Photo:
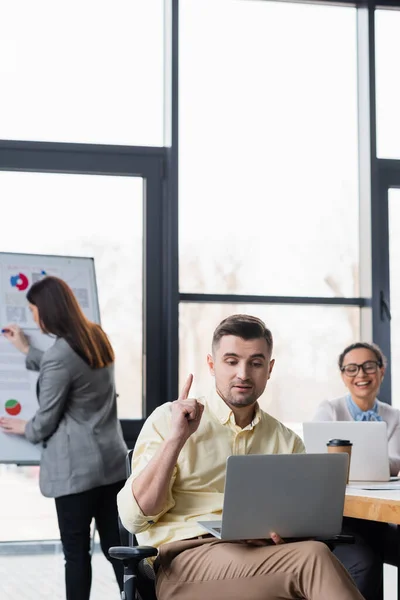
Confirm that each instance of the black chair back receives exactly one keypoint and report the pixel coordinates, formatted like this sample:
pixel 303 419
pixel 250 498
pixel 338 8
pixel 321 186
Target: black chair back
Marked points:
pixel 139 578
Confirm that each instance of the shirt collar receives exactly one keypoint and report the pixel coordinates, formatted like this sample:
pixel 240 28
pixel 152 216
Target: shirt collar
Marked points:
pixel 224 413
pixel 362 415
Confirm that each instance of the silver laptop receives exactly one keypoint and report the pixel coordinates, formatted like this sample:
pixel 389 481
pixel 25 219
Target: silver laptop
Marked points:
pixel 369 455
pixel 293 495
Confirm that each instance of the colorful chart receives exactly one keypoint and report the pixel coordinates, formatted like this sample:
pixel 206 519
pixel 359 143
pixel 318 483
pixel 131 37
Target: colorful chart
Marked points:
pixel 19 281
pixel 13 407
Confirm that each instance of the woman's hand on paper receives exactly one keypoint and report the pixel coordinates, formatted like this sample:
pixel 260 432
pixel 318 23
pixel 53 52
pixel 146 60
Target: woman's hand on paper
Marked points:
pixel 14 334
pixel 16 426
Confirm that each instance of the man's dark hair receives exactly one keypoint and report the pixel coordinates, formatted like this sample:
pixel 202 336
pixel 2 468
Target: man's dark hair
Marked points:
pixel 245 327
pixel 380 357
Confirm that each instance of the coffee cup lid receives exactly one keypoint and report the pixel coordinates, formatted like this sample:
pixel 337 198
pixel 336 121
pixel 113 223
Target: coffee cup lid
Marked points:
pixel 337 442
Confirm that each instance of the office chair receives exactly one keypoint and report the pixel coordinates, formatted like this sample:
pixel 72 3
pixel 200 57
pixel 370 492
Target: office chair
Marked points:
pixel 139 576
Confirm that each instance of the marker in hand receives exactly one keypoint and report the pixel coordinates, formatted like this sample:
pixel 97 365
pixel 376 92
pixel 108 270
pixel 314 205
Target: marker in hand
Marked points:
pixel 14 334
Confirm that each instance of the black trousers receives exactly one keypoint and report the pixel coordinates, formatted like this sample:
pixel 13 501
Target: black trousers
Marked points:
pixel 375 543
pixel 75 513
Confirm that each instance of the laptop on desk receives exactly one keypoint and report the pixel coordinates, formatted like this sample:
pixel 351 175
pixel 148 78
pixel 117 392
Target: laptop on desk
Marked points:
pixel 369 455
pixel 293 495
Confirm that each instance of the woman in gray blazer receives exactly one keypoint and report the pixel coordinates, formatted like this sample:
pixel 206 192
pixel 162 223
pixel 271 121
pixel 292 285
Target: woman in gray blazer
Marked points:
pixel 83 451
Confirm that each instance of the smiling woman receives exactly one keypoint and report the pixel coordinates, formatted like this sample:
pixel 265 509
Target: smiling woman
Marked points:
pixel 362 368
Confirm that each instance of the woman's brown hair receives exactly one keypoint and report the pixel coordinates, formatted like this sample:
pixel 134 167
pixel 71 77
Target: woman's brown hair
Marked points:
pixel 374 348
pixel 61 315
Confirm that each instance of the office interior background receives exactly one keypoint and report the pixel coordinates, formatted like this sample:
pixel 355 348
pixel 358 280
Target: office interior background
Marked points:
pixel 213 156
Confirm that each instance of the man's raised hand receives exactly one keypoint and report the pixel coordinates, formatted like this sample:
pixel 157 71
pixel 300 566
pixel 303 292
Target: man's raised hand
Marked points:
pixel 186 413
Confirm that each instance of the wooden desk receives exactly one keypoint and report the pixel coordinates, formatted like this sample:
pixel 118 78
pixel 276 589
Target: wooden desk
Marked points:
pixel 375 505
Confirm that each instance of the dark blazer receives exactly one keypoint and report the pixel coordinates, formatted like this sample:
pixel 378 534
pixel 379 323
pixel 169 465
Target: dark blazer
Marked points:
pixel 76 423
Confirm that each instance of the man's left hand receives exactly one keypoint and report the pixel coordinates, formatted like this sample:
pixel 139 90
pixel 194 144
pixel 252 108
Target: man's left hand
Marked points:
pixel 16 426
pixel 275 539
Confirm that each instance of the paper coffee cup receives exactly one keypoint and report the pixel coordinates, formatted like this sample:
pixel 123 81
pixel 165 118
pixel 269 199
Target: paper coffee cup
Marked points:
pixel 337 445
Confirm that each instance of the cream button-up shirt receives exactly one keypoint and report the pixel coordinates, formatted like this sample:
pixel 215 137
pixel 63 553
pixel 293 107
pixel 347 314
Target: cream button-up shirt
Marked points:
pixel 197 484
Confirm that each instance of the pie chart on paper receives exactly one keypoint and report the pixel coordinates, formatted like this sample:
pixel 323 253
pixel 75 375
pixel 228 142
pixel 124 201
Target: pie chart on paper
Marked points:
pixel 19 281
pixel 12 407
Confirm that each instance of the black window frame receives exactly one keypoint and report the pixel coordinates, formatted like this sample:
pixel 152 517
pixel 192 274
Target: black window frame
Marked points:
pixel 373 180
pixel 149 164
pixel 159 167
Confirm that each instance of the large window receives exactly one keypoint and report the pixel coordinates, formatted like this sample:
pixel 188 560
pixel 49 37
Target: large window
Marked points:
pixel 268 201
pixel 69 215
pixel 394 247
pixel 268 149
pixel 387 23
pixel 90 71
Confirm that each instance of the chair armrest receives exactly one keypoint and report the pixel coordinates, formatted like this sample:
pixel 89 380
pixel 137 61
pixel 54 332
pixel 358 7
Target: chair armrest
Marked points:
pixel 342 538
pixel 132 553
pixel 337 540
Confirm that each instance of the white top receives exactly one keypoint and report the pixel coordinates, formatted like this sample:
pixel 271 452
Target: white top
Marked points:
pixel 336 410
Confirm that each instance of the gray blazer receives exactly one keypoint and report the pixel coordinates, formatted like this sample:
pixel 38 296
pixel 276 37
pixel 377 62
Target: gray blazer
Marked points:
pixel 76 422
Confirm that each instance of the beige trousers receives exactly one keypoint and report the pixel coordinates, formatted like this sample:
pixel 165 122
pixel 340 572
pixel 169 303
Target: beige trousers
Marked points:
pixel 209 569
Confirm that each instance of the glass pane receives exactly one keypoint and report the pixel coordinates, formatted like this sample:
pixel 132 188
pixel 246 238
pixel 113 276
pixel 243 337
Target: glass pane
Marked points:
pixel 25 514
pixel 394 255
pixel 70 215
pixel 268 149
pixel 307 343
pixel 387 40
pixel 42 575
pixel 78 71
